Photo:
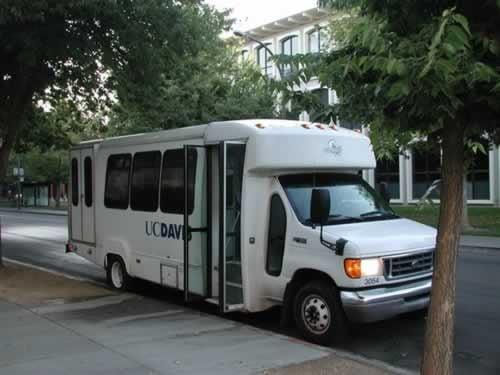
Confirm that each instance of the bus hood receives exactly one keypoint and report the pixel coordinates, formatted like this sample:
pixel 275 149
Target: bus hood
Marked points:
pixel 384 237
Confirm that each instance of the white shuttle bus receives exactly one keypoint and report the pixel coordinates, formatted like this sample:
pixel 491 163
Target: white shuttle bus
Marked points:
pixel 248 215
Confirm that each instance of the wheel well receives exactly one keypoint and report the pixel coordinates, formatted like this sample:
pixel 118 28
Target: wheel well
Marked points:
pixel 110 256
pixel 300 277
pixel 305 275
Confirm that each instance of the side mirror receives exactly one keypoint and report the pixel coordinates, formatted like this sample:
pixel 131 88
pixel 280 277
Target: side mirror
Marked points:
pixel 320 206
pixel 384 192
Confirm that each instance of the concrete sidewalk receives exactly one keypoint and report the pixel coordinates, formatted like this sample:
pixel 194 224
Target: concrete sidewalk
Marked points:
pixel 53 325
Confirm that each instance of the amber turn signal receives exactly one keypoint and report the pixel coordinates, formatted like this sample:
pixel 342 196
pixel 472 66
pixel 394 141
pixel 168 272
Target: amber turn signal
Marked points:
pixel 352 268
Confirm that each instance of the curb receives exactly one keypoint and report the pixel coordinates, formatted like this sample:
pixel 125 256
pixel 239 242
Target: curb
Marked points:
pixel 479 250
pixel 56 273
pixel 378 364
pixel 36 212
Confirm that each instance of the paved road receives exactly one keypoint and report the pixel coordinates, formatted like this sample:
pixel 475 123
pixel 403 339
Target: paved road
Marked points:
pixel 40 239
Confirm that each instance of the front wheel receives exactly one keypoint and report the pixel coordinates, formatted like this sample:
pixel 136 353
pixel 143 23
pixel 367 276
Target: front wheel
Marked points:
pixel 117 274
pixel 319 315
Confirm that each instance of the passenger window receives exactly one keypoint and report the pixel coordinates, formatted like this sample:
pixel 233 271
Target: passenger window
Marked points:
pixel 74 182
pixel 276 238
pixel 145 181
pixel 117 181
pixel 87 171
pixel 172 181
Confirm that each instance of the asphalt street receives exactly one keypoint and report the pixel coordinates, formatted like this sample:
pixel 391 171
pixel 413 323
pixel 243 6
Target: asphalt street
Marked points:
pixel 39 240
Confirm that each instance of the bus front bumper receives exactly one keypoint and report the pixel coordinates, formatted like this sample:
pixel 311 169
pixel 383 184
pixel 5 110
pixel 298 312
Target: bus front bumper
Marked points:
pixel 372 305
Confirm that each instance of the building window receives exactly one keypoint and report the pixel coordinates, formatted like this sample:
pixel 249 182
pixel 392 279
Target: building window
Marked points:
pixel 74 182
pixel 426 170
pixel 289 47
pixel 264 60
pixel 172 181
pixel 316 40
pixel 276 238
pixel 145 181
pixel 117 181
pixel 478 178
pixel 388 172
pixel 244 55
pixel 87 171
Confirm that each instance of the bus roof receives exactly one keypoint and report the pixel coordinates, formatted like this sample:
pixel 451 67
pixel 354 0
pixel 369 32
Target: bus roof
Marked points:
pixel 280 144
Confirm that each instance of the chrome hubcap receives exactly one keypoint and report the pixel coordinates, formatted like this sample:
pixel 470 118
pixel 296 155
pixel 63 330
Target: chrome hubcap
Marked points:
pixel 117 275
pixel 316 314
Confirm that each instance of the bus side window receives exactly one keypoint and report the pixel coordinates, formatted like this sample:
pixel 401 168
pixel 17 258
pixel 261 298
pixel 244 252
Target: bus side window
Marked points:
pixel 87 166
pixel 172 181
pixel 144 190
pixel 117 181
pixel 276 238
pixel 74 182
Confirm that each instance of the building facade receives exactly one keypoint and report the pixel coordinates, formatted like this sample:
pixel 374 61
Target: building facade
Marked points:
pixel 410 173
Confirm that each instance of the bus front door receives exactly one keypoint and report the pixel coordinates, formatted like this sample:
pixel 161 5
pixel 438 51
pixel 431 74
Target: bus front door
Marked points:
pixel 231 162
pixel 196 233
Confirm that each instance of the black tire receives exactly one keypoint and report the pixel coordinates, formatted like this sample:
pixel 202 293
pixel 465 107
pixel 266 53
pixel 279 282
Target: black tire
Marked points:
pixel 319 315
pixel 114 269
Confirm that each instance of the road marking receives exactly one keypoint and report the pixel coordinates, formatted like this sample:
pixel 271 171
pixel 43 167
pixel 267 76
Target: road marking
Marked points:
pixel 54 272
pixel 85 305
pixel 116 321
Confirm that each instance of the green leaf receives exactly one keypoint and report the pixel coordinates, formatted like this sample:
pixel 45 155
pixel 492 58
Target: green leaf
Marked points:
pixel 400 68
pixel 483 73
pixel 390 66
pixel 496 88
pixel 398 90
pixel 463 22
pixel 457 38
pixel 494 47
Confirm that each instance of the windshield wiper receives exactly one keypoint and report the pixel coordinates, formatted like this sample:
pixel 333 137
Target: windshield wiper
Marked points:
pixel 378 213
pixel 335 218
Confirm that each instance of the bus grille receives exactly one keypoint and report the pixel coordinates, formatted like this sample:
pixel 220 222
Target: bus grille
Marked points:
pixel 409 265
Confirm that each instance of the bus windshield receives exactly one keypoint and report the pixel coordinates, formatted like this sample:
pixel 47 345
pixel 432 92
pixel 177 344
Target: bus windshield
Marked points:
pixel 351 198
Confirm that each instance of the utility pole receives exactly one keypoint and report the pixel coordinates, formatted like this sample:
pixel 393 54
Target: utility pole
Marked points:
pixel 18 183
pixel 1 260
pixel 19 173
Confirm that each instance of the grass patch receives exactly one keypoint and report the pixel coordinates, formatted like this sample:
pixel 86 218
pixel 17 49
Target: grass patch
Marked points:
pixel 484 220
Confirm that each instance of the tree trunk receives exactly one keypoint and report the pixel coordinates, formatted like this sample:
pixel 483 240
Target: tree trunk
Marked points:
pixel 13 112
pixel 439 334
pixel 5 150
pixel 57 194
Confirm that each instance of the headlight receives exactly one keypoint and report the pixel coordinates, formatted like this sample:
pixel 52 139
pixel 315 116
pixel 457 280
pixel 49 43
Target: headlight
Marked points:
pixel 357 268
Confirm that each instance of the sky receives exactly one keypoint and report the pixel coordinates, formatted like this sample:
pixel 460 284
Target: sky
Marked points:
pixel 252 13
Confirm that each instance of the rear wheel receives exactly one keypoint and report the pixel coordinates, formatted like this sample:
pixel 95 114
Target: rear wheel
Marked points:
pixel 117 274
pixel 319 315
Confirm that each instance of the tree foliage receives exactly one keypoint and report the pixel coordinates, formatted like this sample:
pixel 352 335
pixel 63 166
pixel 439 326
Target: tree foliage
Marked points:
pixel 49 166
pixel 212 85
pixel 92 53
pixel 418 65
pixel 429 68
